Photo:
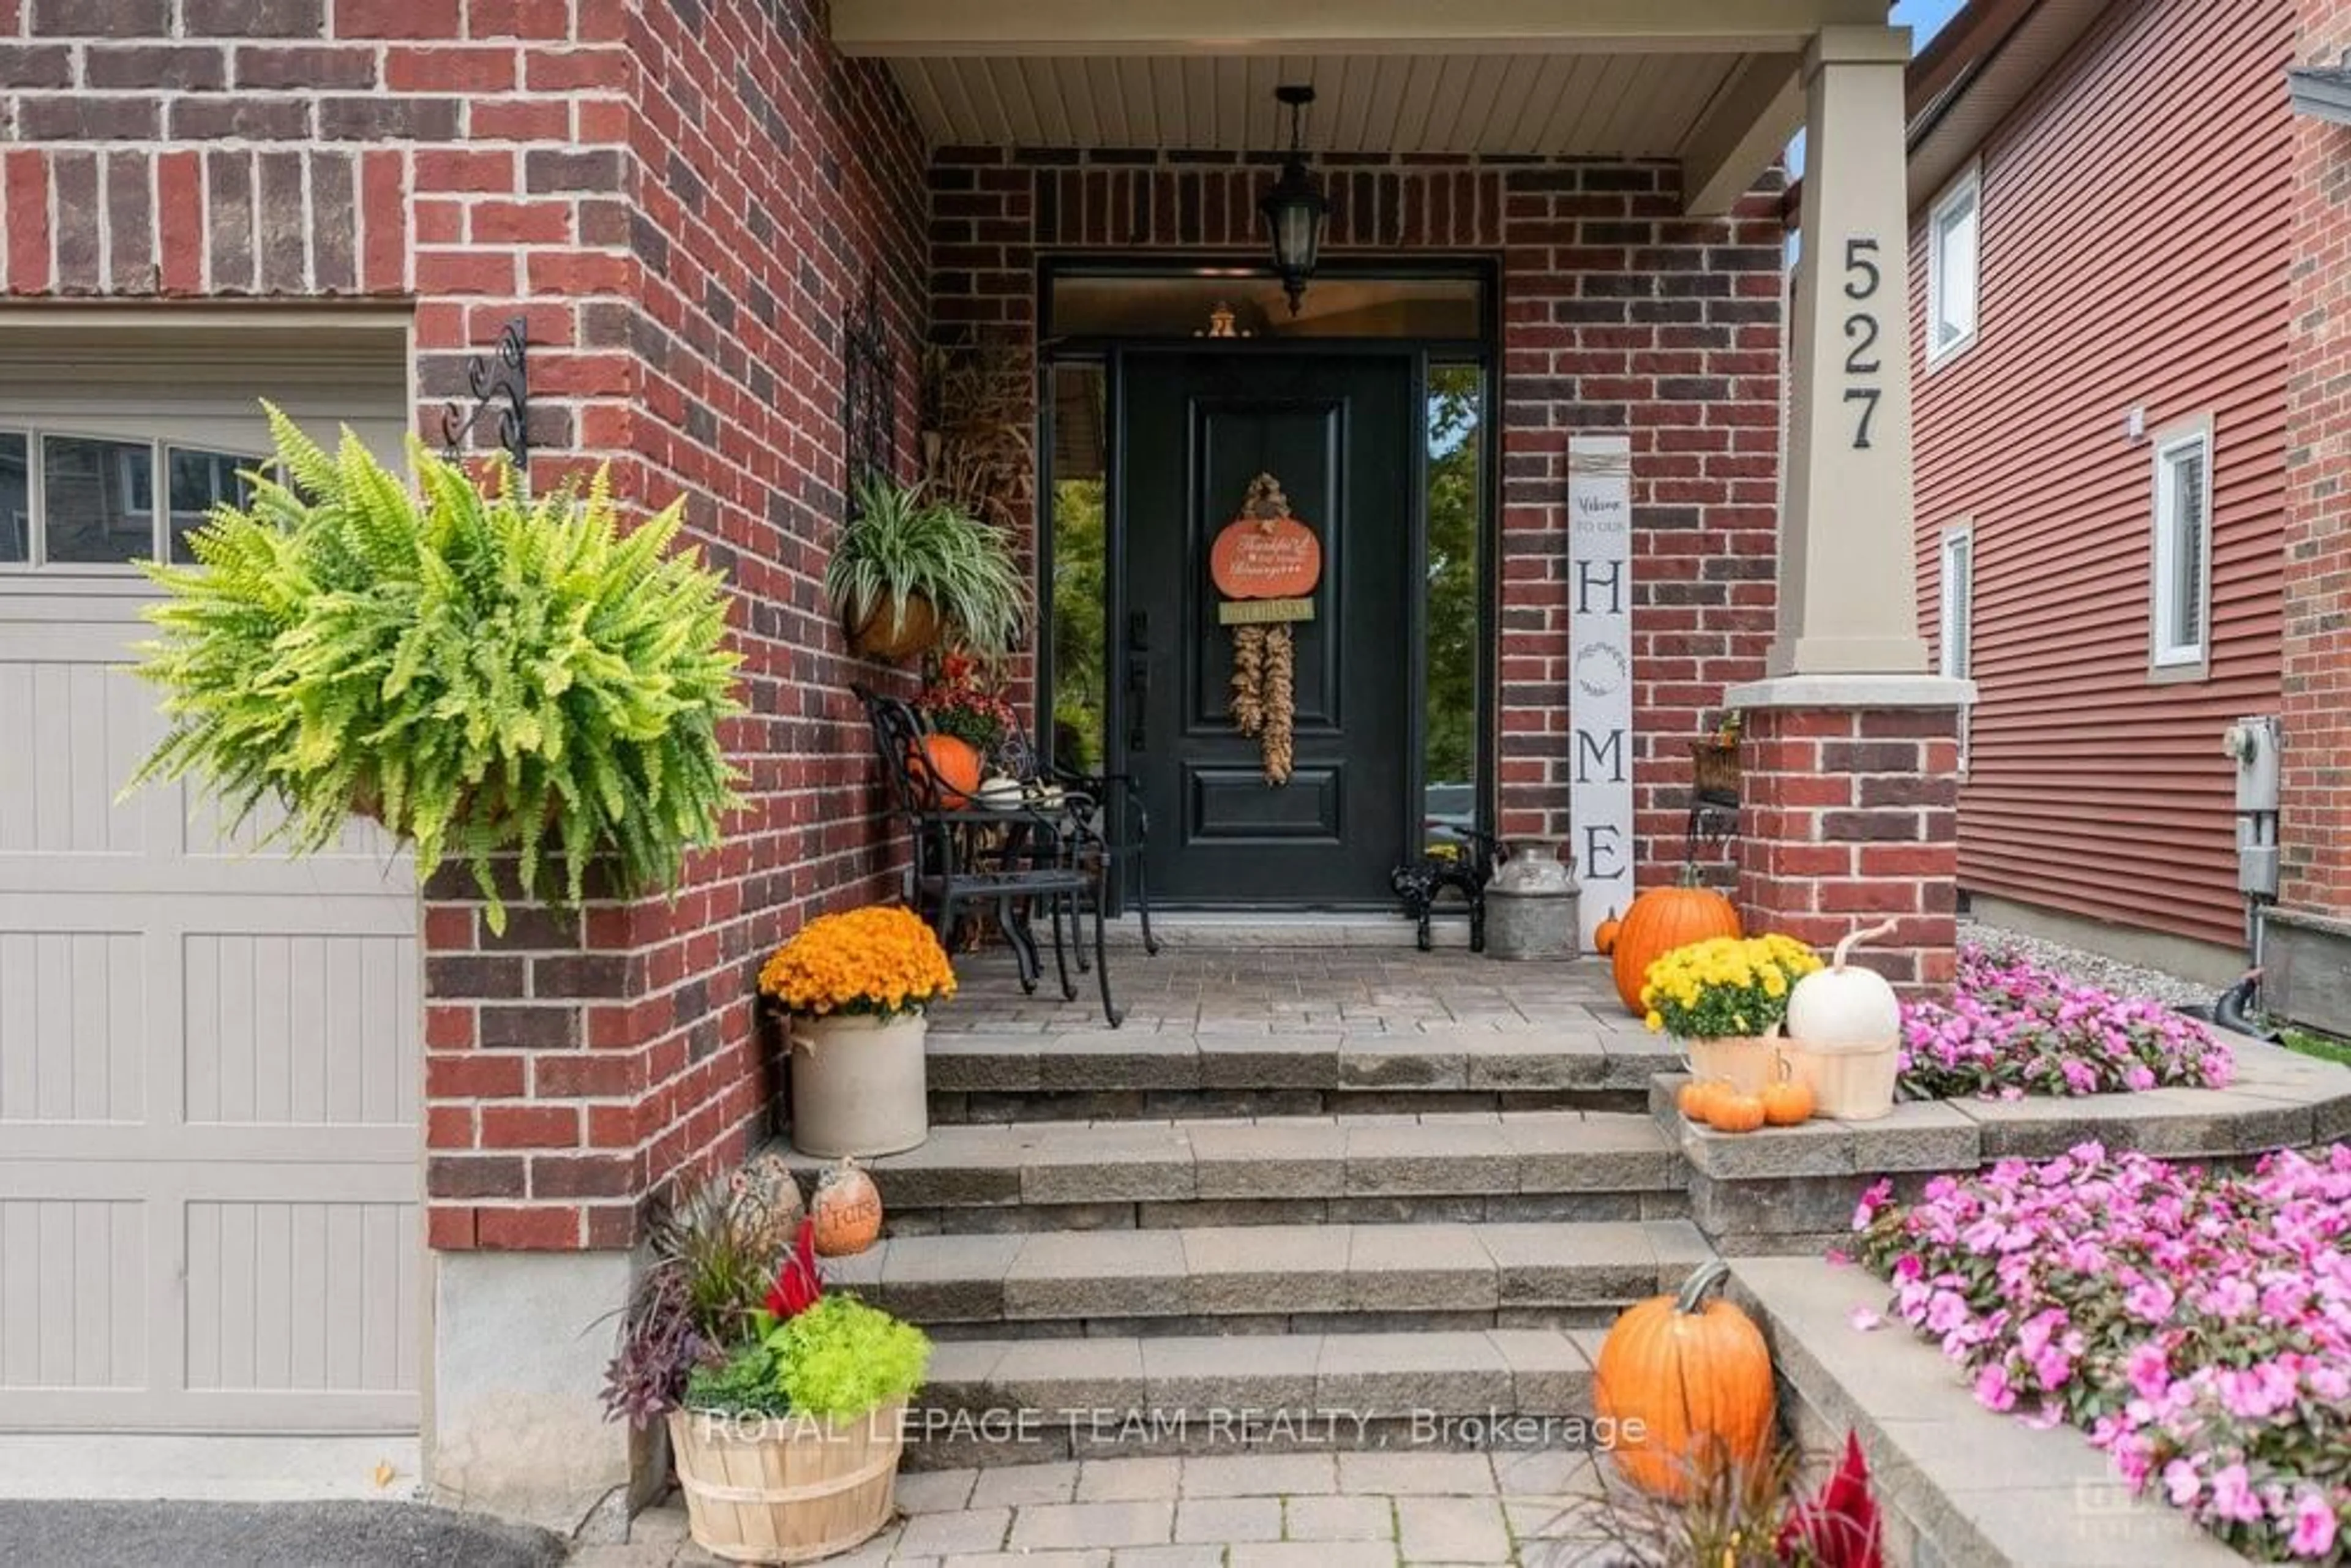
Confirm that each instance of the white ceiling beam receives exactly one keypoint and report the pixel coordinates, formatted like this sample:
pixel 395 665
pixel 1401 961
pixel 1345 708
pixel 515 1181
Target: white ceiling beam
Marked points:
pixel 1337 27
pixel 1753 119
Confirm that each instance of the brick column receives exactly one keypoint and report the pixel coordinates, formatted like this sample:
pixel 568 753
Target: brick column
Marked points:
pixel 2314 821
pixel 1849 816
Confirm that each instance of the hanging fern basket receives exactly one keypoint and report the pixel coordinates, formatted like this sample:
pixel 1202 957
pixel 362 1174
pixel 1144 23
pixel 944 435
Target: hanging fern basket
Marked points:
pixel 896 630
pixel 486 675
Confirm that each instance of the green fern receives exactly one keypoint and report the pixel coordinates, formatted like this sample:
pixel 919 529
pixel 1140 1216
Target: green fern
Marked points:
pixel 485 674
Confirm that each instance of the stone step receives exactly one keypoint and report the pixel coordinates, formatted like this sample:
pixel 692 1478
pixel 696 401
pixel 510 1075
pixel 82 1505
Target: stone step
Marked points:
pixel 995 1076
pixel 1528 1166
pixel 1008 1401
pixel 1274 1279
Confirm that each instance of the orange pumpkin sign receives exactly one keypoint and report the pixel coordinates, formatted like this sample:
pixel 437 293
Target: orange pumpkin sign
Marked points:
pixel 1266 558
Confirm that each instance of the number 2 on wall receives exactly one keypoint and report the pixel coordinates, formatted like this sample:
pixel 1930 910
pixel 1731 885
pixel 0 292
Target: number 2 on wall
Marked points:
pixel 1863 279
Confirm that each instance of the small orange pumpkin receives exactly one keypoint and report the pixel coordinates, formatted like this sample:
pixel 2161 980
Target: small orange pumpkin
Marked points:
pixel 1789 1102
pixel 1659 921
pixel 1604 936
pixel 847 1210
pixel 1685 1384
pixel 1694 1097
pixel 951 760
pixel 1735 1113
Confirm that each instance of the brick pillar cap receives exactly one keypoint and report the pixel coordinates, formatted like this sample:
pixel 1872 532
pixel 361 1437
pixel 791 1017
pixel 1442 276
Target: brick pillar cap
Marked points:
pixel 1852 692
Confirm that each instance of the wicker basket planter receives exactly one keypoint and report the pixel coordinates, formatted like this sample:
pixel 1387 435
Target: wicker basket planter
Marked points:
pixel 786 1488
pixel 1849 1082
pixel 1747 1063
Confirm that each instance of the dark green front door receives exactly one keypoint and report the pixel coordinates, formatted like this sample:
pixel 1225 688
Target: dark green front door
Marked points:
pixel 1338 433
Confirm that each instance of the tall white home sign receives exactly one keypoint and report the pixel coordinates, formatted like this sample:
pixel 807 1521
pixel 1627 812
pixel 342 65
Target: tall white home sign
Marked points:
pixel 1600 668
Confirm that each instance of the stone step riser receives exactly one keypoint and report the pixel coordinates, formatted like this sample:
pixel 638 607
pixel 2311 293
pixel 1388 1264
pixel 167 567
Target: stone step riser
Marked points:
pixel 945 1442
pixel 1595 1317
pixel 989 1108
pixel 1024 1401
pixel 1509 1208
pixel 1340 1164
pixel 1303 1279
pixel 1350 1068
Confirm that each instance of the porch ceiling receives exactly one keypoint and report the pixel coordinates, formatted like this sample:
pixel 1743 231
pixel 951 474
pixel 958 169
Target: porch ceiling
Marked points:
pixel 1711 82
pixel 1628 105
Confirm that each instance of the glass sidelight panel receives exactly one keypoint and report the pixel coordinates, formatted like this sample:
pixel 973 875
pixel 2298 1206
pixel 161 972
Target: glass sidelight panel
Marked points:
pixel 1081 562
pixel 1450 762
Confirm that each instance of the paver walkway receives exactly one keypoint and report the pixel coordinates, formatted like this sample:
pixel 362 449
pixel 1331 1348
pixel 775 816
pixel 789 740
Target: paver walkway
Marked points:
pixel 1288 1510
pixel 1216 989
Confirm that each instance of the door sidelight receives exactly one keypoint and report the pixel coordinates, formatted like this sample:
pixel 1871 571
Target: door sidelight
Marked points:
pixel 1138 678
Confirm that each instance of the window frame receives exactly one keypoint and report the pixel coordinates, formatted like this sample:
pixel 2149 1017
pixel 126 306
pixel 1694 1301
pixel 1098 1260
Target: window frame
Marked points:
pixel 1956 615
pixel 1966 188
pixel 2170 660
pixel 37 562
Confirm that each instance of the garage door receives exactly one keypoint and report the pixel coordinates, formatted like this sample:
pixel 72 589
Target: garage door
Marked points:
pixel 208 1056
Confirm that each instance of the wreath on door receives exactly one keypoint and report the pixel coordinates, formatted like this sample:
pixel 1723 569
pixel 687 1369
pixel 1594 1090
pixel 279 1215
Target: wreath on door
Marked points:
pixel 1266 563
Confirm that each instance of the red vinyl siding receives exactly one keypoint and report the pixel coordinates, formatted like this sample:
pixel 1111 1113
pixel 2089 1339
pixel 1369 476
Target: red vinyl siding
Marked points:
pixel 2136 227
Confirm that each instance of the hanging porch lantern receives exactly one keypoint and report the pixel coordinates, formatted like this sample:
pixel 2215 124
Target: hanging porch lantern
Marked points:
pixel 1294 208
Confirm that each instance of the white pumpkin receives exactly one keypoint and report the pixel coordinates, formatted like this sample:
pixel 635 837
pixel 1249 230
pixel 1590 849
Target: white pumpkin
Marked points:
pixel 1846 1006
pixel 1001 794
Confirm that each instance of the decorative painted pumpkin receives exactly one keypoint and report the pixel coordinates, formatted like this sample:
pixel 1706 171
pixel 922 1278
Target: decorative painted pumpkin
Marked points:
pixel 952 761
pixel 1789 1101
pixel 765 1199
pixel 1266 558
pixel 1842 1006
pixel 847 1210
pixel 1731 1111
pixel 1685 1381
pixel 1661 920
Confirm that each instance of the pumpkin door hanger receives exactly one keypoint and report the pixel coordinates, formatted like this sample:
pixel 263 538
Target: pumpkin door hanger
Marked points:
pixel 1265 564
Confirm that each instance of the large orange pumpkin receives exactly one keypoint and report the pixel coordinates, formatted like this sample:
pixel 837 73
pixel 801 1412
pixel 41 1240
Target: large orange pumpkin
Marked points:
pixel 1661 920
pixel 953 761
pixel 1685 1382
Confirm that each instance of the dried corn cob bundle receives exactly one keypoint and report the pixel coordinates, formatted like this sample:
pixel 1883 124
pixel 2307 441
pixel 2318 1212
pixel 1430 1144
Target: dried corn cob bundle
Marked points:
pixel 1247 706
pixel 1280 703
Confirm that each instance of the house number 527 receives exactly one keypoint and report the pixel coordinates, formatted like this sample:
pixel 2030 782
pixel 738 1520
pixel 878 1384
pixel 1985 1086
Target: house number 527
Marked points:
pixel 1863 280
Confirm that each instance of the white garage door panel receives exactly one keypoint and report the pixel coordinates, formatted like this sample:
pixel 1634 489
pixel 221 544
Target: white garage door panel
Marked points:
pixel 209 1054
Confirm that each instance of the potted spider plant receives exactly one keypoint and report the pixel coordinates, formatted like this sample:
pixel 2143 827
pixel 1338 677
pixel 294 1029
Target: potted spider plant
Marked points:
pixel 911 570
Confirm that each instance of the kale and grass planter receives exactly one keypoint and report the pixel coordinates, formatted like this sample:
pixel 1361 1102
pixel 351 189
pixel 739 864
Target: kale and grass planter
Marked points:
pixel 858 1085
pixel 786 1488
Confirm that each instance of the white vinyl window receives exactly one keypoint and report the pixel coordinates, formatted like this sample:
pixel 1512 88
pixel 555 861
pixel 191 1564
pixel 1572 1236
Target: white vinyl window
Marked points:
pixel 1956 643
pixel 2183 550
pixel 1954 245
pixel 91 503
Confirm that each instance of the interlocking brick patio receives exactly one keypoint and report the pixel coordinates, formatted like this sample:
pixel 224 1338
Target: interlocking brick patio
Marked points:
pixel 1291 1511
pixel 1257 986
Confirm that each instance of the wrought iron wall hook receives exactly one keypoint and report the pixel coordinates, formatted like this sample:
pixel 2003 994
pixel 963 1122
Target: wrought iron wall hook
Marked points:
pixel 500 381
pixel 869 396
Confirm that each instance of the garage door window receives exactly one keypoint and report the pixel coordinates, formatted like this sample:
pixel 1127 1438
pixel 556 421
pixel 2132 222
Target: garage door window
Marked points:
pixel 93 501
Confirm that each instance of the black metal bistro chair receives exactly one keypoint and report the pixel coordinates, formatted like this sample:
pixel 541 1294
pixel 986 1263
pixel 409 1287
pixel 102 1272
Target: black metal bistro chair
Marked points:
pixel 970 855
pixel 1120 815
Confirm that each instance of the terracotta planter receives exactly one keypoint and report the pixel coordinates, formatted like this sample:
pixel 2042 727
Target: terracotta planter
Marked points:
pixel 888 636
pixel 1747 1063
pixel 858 1085
pixel 786 1488
pixel 1849 1082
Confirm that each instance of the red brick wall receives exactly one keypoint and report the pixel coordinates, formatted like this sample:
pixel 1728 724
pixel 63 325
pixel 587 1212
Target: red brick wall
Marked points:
pixel 1618 314
pixel 1849 820
pixel 683 199
pixel 2315 827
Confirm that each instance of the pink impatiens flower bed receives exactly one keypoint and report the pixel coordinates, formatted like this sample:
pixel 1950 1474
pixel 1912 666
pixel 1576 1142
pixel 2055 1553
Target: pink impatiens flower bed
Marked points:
pixel 2196 1324
pixel 2013 1029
